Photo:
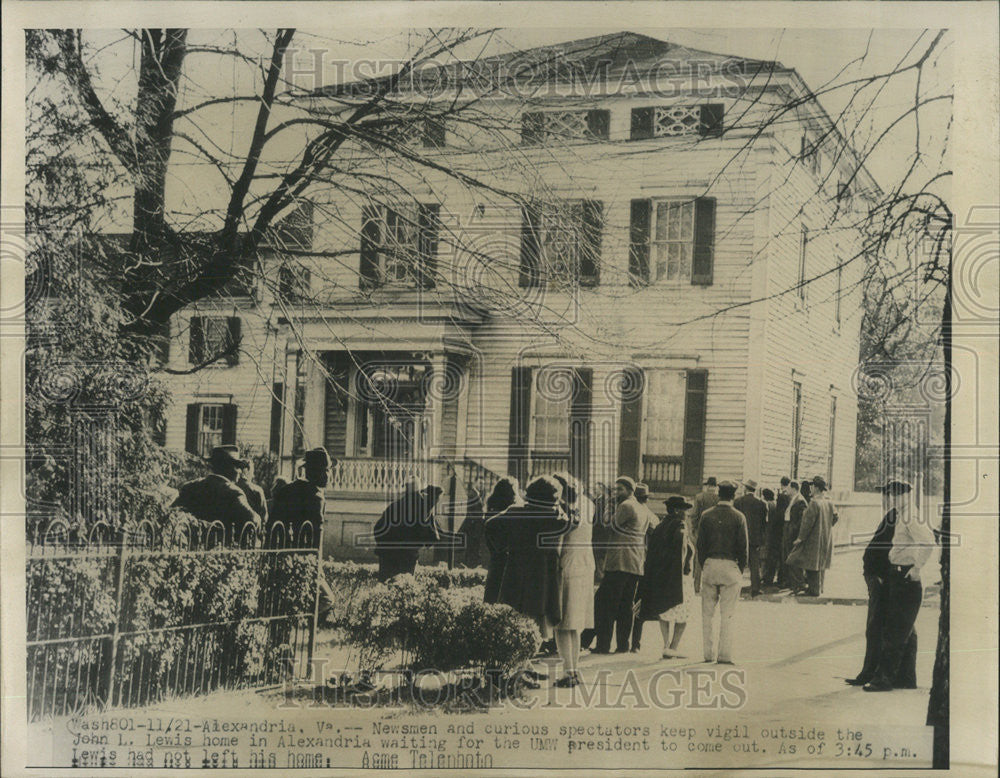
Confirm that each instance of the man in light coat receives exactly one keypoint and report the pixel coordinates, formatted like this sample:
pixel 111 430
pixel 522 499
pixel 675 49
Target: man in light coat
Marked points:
pixel 813 548
pixel 623 567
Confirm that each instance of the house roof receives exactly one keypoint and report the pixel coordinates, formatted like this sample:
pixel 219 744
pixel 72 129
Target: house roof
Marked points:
pixel 615 55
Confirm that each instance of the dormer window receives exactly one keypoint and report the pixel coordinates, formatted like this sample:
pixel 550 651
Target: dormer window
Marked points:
pixel 669 121
pixel 426 132
pixel 540 128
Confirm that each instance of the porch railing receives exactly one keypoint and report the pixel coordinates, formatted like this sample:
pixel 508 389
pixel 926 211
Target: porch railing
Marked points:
pixel 663 473
pixel 373 476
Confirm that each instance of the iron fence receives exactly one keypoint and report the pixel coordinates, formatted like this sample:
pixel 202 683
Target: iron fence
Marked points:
pixel 126 618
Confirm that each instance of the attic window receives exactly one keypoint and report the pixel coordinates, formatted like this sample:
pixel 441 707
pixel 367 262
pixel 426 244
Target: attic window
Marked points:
pixel 675 120
pixel 548 127
pixel 809 155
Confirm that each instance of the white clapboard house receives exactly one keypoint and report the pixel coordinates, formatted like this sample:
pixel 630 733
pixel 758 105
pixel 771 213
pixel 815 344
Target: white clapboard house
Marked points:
pixel 671 299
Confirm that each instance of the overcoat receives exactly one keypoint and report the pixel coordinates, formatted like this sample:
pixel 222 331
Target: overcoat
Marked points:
pixel 813 548
pixel 530 582
pixel 662 585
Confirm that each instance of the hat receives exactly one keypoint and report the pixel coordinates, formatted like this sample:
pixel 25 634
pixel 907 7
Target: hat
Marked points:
pixel 317 457
pixel 222 456
pixel 544 490
pixel 676 503
pixel 626 481
pixel 641 489
pixel 750 484
pixel 710 481
pixel 727 485
pixel 895 486
pixel 819 482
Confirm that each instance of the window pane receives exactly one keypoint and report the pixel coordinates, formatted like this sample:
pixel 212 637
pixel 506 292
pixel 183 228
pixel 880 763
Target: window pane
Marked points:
pixel 662 217
pixel 664 423
pixel 687 221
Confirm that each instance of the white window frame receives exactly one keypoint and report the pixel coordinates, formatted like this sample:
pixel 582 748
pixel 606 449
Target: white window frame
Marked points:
pixel 210 438
pixel 646 401
pixel 654 244
pixel 536 396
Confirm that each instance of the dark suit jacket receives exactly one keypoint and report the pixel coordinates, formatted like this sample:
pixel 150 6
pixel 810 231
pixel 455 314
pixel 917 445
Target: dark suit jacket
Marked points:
pixel 216 498
pixel 755 511
pixel 723 535
pixel 875 560
pixel 294 505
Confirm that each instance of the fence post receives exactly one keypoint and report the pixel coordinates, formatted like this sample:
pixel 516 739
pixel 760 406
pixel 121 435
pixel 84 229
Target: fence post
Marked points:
pixel 315 616
pixel 109 678
pixel 452 490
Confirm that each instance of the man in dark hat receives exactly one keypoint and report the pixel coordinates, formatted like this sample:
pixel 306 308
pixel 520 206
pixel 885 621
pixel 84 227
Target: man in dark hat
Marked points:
pixel 722 546
pixel 666 587
pixel 755 511
pixel 875 568
pixel 795 578
pixel 217 498
pixel 406 526
pixel 913 542
pixel 623 565
pixel 775 568
pixel 299 506
pixel 254 494
pixel 813 548
pixel 707 498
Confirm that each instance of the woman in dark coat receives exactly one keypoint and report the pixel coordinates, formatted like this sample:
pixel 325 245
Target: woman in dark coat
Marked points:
pixel 504 495
pixel 534 531
pixel 404 528
pixel 667 586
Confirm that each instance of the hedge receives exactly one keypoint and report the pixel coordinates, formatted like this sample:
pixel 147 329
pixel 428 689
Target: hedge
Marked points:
pixel 435 628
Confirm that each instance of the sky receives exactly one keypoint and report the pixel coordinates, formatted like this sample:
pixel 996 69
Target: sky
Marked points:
pixel 820 56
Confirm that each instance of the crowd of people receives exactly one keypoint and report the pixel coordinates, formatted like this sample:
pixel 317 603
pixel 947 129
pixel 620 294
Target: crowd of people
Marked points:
pixel 552 543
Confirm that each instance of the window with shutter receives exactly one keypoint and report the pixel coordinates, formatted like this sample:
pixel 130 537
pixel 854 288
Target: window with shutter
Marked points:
pixel 803 251
pixel 209 425
pixel 196 343
pixel 673 240
pixel 554 127
pixel 667 121
pixel 663 429
pixel 213 336
pixel 399 245
pixel 561 243
pixel 695 418
pixel 579 425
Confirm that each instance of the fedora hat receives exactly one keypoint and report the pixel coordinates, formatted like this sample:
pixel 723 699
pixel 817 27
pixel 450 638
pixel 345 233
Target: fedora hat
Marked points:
pixel 896 486
pixel 226 455
pixel 317 457
pixel 710 481
pixel 750 484
pixel 676 503
pixel 819 482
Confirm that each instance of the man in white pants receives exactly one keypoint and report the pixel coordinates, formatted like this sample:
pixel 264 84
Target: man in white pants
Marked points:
pixel 722 547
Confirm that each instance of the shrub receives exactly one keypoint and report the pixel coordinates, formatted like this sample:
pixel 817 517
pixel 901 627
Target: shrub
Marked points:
pixel 436 628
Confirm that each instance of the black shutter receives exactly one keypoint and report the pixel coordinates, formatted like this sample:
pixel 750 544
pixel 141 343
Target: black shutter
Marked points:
pixel 229 425
pixel 638 255
pixel 711 119
pixel 704 241
pixel 630 433
pixel 529 275
pixel 234 334
pixel 191 431
pixel 335 415
pixel 642 123
pixel 579 424
pixel 196 346
pixel 371 239
pixel 277 407
pixel 695 407
pixel 599 123
pixel 162 343
pixel 532 128
pixel 433 134
pixel 429 221
pixel 520 422
pixel 590 255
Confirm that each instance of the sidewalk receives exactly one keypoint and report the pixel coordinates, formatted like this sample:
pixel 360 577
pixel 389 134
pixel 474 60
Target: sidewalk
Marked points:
pixel 844 583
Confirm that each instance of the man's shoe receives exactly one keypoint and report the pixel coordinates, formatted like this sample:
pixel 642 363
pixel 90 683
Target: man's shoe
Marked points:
pixel 725 662
pixel 859 681
pixel 534 675
pixel 877 686
pixel 599 650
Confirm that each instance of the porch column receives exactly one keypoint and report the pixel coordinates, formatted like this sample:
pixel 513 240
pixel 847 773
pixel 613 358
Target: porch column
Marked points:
pixel 286 468
pixel 314 403
pixel 437 389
